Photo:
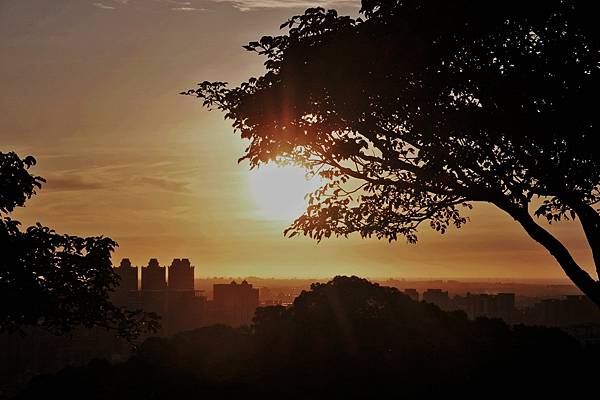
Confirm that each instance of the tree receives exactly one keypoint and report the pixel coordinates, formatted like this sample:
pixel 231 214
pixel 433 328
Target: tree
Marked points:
pixel 419 109
pixel 347 338
pixel 53 281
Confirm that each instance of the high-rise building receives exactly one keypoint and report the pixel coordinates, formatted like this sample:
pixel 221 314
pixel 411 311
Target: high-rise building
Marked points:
pixel 412 293
pixel 153 276
pixel 501 305
pixel 569 311
pixel 505 306
pixel 235 304
pixel 129 276
pixel 124 295
pixel 181 275
pixel 176 302
pixel 437 297
pixel 153 296
pixel 186 310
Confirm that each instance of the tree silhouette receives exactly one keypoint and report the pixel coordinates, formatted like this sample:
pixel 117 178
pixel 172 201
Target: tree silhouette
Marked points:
pixel 420 108
pixel 53 281
pixel 347 338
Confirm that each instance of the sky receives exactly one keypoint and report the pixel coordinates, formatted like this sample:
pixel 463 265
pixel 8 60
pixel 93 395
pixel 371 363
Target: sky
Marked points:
pixel 90 88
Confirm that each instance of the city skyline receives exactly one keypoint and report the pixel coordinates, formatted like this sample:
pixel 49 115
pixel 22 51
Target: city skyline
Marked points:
pixel 201 276
pixel 172 292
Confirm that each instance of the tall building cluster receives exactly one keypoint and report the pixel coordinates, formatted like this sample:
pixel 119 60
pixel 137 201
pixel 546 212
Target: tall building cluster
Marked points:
pixel 154 277
pixel 169 291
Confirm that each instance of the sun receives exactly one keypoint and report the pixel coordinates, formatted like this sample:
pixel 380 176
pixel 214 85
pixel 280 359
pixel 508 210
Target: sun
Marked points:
pixel 279 191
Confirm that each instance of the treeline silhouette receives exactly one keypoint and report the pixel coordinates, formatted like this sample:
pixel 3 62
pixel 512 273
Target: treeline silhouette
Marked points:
pixel 345 338
pixel 51 281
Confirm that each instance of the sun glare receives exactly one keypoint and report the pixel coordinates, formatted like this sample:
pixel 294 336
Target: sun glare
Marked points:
pixel 279 191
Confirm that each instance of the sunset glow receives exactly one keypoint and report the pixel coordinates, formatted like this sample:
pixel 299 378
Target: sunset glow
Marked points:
pixel 157 173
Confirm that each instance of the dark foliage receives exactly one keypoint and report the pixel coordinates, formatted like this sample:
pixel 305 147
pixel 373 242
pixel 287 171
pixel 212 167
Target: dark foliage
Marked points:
pixel 420 108
pixel 345 338
pixel 54 281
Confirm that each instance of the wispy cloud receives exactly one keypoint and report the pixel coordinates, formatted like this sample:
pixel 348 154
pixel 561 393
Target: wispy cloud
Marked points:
pixel 180 3
pixel 242 5
pixel 133 179
pixel 173 5
pixel 165 184
pixel 186 9
pixel 183 6
pixel 104 6
pixel 68 182
pixel 249 5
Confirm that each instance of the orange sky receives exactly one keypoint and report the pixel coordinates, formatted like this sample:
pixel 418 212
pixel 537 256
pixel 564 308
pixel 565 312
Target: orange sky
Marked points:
pixel 90 89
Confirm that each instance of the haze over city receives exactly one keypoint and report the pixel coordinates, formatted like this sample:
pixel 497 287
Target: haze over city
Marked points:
pixel 91 89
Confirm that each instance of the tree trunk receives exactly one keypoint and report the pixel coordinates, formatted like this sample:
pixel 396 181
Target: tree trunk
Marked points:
pixel 581 279
pixel 590 222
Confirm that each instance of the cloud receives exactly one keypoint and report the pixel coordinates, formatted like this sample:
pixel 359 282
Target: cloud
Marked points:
pixel 186 9
pixel 67 182
pixel 183 6
pixel 249 5
pixel 104 6
pixel 242 5
pixel 116 178
pixel 173 5
pixel 165 184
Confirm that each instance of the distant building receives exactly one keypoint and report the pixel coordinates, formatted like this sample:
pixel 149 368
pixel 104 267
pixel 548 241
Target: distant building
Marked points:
pixel 178 304
pixel 154 276
pixel 501 305
pixel 504 306
pixel 181 275
pixel 186 310
pixel 412 293
pixel 437 297
pixel 128 275
pixel 153 297
pixel 572 310
pixel 264 296
pixel 234 304
pixel 128 284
